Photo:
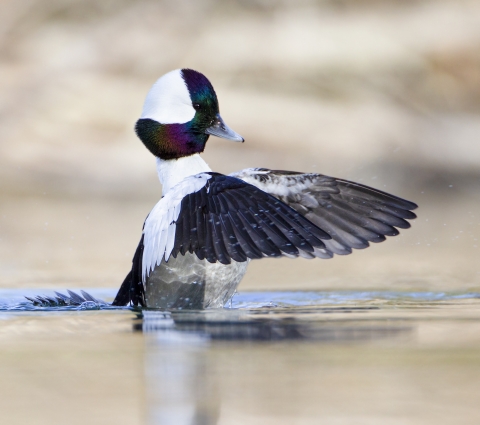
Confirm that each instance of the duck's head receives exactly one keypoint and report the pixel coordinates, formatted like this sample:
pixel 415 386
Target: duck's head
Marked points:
pixel 179 114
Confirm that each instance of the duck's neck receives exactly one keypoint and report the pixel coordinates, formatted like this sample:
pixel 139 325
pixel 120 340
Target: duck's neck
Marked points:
pixel 173 171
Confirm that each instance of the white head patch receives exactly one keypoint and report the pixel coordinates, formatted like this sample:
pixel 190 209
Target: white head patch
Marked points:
pixel 168 101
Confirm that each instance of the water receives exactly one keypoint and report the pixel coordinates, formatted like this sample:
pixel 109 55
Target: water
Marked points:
pixel 18 299
pixel 272 358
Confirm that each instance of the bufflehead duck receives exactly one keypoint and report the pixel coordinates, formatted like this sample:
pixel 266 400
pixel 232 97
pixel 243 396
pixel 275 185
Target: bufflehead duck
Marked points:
pixel 199 238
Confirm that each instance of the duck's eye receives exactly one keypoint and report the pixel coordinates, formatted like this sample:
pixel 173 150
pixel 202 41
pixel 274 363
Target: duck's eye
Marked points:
pixel 196 106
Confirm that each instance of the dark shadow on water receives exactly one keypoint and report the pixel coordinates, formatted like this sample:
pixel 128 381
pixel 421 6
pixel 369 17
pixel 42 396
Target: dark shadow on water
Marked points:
pixel 271 325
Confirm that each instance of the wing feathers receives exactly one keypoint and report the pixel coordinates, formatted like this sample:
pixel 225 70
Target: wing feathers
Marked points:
pixel 231 242
pixel 369 193
pixel 219 245
pixel 244 239
pixel 260 212
pixel 221 218
pixel 209 248
pixel 352 215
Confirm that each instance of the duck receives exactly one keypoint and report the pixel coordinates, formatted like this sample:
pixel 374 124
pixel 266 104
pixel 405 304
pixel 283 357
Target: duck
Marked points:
pixel 199 238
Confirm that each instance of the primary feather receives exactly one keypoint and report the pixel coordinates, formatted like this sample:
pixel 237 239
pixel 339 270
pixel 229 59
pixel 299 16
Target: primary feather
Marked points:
pixel 351 213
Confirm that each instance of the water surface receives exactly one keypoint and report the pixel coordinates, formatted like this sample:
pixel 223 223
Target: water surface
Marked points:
pixel 272 358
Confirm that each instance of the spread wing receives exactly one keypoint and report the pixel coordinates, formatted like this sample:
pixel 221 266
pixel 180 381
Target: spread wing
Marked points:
pixel 219 218
pixel 259 212
pixel 222 218
pixel 351 213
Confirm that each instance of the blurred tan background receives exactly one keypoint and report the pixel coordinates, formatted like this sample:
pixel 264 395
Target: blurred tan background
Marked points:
pixel 382 92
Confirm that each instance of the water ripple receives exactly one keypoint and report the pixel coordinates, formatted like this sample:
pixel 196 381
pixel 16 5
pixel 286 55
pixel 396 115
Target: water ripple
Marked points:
pixel 48 300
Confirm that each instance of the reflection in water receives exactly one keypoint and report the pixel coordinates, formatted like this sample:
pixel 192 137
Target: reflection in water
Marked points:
pixel 260 325
pixel 179 388
pixel 181 376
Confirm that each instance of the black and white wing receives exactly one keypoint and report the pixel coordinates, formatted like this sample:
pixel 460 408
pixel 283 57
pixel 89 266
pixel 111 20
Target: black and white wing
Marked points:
pixel 222 218
pixel 351 213
pixel 219 218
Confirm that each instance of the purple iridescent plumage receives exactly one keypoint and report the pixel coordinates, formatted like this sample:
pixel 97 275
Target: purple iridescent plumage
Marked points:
pixel 170 141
